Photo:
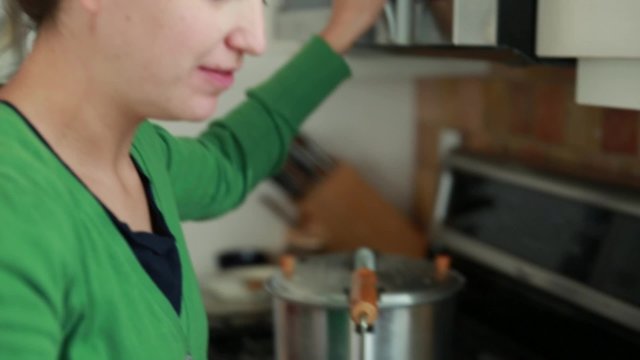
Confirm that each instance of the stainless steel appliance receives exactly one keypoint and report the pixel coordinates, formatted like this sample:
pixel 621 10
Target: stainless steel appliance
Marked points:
pixel 551 262
pixel 362 306
pixel 500 30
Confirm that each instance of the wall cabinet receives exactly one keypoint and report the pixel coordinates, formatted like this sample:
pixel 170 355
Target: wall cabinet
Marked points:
pixel 588 28
pixel 602 35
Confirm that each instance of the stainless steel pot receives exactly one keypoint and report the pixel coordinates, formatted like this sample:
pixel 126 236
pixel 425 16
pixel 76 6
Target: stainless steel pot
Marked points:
pixel 359 306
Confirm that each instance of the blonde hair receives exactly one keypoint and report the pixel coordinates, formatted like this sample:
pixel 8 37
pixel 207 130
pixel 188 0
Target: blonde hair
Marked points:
pixel 20 18
pixel 38 11
pixel 15 27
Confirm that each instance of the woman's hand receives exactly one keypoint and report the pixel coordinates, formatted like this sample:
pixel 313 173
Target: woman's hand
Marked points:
pixel 349 20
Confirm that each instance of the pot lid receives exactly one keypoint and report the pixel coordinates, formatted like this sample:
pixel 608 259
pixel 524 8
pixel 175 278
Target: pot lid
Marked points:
pixel 326 281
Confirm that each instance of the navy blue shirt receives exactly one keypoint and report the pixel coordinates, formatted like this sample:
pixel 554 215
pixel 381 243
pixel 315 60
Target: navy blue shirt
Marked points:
pixel 157 252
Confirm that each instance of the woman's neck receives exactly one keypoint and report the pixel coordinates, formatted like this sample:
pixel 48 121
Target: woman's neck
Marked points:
pixel 84 123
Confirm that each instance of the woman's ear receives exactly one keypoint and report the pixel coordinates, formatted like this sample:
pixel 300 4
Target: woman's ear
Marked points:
pixel 92 6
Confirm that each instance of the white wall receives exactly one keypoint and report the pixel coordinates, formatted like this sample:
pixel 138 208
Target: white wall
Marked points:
pixel 368 121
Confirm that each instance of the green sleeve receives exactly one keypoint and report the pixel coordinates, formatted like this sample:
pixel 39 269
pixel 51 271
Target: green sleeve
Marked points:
pixel 213 173
pixel 34 274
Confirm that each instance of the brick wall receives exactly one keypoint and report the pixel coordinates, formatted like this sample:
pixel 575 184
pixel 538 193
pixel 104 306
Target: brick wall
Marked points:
pixel 526 114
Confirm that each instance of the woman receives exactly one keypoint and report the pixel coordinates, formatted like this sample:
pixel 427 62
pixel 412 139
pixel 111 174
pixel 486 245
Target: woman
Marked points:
pixel 93 263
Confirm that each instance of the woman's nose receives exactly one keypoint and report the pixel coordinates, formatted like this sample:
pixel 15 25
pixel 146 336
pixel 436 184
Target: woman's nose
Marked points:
pixel 248 34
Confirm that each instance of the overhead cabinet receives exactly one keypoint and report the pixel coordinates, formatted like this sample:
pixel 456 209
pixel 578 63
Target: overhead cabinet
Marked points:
pixel 603 36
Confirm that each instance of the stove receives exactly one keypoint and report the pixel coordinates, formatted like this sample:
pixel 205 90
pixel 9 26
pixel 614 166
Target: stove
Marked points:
pixel 249 339
pixel 552 263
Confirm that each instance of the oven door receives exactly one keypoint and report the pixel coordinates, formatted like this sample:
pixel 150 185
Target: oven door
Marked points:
pixel 543 252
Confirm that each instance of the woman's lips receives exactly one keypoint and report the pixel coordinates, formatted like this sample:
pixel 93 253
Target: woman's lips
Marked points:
pixel 221 78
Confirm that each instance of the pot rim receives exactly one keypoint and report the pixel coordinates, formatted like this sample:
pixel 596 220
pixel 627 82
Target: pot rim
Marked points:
pixel 454 283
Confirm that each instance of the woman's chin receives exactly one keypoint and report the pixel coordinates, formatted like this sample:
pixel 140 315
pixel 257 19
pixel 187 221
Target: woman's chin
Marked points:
pixel 200 110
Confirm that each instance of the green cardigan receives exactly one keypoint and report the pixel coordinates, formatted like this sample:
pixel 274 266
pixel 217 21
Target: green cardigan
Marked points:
pixel 70 286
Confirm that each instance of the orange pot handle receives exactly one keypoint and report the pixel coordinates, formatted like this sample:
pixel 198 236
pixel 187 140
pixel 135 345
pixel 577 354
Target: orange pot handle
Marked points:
pixel 288 265
pixel 443 265
pixel 364 296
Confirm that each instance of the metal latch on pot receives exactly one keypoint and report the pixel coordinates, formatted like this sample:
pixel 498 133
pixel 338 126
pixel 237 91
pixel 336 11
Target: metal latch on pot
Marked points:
pixel 364 300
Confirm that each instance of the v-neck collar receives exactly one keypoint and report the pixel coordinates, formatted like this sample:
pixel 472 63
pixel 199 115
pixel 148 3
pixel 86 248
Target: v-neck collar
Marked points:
pixel 44 141
pixel 163 307
pixel 166 307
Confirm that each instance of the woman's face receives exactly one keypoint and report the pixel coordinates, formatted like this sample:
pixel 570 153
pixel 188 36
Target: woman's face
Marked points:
pixel 171 59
